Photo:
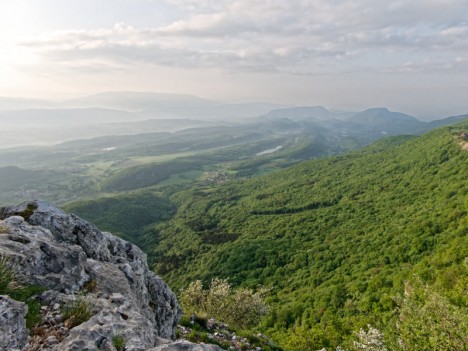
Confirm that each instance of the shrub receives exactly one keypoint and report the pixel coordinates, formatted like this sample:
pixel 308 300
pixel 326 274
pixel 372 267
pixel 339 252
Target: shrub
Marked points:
pixel 217 297
pixel 246 308
pixel 428 321
pixel 303 338
pixel 240 308
pixel 370 340
pixel 193 298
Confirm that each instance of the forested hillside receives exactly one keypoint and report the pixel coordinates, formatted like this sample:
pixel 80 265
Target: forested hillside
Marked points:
pixel 333 239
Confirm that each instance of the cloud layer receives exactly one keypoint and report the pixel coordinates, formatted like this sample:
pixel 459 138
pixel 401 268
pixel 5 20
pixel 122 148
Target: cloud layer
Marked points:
pixel 409 55
pixel 312 37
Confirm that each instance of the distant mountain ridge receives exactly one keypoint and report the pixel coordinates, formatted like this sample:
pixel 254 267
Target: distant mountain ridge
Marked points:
pixel 378 120
pixel 301 113
pixel 379 114
pixel 9 103
pixel 136 101
pixel 119 113
pixel 50 117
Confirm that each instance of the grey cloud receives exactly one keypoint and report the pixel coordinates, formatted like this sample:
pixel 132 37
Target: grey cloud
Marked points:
pixel 454 66
pixel 200 5
pixel 297 37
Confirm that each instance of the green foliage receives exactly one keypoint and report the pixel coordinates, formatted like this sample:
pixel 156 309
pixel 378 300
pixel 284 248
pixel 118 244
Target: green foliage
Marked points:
pixel 185 321
pixel 428 321
pixel 302 338
pixel 335 238
pixel 77 312
pixel 247 308
pixel 28 294
pixel 125 215
pixel 10 284
pixel 198 337
pixel 118 341
pixel 239 308
pixel 148 175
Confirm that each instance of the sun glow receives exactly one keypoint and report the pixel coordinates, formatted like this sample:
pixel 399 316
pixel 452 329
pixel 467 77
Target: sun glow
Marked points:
pixel 18 23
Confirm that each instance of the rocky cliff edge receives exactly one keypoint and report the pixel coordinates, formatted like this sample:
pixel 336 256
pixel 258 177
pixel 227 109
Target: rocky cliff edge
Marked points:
pixel 131 307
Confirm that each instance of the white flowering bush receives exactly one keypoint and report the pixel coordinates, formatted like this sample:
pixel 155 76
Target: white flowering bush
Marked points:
pixel 370 340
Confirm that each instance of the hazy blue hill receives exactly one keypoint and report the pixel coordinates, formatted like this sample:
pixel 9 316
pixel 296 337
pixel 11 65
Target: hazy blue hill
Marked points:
pixel 136 101
pixel 220 112
pixel 160 125
pixel 53 125
pixel 301 113
pixel 8 103
pixel 381 113
pixel 48 127
pixel 110 141
pixel 446 121
pixel 159 105
pixel 14 177
pixel 50 118
pixel 385 121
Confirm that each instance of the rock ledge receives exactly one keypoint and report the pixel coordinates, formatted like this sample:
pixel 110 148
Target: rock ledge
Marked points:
pixel 72 259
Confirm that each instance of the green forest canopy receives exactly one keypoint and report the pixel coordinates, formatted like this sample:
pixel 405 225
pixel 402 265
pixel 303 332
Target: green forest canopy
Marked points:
pixel 333 239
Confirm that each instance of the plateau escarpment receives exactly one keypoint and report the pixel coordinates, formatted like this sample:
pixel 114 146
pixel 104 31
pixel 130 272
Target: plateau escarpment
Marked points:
pixel 79 270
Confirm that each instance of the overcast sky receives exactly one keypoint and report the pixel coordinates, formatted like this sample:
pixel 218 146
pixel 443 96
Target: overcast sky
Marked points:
pixel 408 55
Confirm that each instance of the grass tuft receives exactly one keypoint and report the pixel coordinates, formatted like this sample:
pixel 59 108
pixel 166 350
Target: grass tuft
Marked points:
pixel 119 342
pixel 7 276
pixel 79 311
pixel 10 285
pixel 27 294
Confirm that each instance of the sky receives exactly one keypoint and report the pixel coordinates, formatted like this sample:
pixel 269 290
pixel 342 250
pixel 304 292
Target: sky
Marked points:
pixel 407 55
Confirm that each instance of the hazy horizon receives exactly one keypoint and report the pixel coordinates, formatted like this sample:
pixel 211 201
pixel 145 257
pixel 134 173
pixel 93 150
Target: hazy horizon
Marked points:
pixel 409 56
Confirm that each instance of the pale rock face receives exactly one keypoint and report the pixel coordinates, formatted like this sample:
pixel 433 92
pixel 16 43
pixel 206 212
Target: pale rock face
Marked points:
pixel 13 332
pixel 64 253
pixel 184 345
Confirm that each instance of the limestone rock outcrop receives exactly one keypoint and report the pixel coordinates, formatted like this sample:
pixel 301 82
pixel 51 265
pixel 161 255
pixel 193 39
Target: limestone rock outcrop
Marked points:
pixel 13 331
pixel 184 345
pixel 70 257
